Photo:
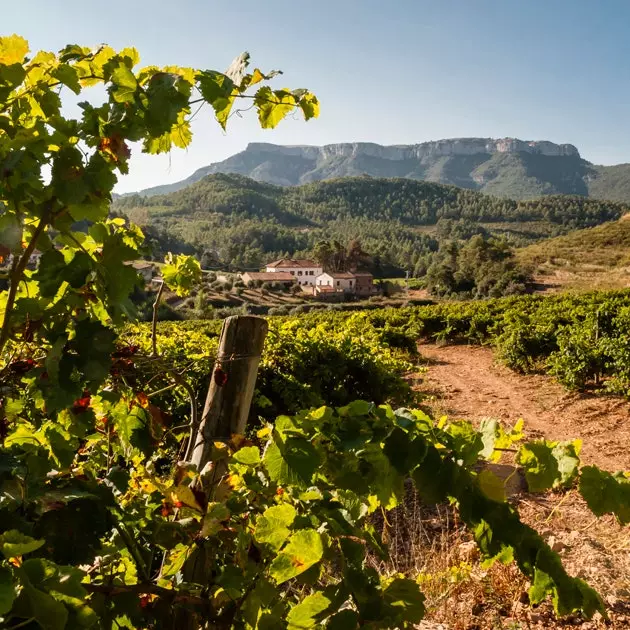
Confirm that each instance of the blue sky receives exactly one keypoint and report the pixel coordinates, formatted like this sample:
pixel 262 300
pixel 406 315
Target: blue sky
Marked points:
pixel 386 71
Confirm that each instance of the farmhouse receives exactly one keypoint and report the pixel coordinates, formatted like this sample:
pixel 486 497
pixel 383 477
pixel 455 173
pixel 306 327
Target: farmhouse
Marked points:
pixel 305 271
pixel 282 277
pixel 364 284
pixel 342 281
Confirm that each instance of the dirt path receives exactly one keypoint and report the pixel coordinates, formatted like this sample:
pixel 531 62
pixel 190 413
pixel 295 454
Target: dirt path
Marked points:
pixel 469 384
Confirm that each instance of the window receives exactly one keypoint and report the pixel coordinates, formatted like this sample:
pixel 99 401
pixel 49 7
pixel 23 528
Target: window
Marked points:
pixel 350 282
pixel 338 283
pixel 292 273
pixel 299 273
pixel 311 273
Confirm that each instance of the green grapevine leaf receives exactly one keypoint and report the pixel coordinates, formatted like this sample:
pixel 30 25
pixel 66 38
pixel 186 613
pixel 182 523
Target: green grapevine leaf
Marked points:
pixel 309 106
pixel 124 85
pixel 308 612
pixel 404 598
pixel 540 465
pixel 14 543
pixel 181 273
pixel 606 493
pixel 291 460
pixel 218 90
pixel 491 485
pixel 567 594
pixel 466 442
pixel 49 613
pixel 344 620
pixel 305 548
pixel 567 456
pixel 272 527
pixel 8 591
pixel 249 456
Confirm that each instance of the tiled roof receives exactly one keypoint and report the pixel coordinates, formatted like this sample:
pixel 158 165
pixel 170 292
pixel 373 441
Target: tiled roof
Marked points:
pixel 341 275
pixel 293 262
pixel 276 276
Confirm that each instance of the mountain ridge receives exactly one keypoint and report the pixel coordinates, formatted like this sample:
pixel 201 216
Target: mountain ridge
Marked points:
pixel 505 167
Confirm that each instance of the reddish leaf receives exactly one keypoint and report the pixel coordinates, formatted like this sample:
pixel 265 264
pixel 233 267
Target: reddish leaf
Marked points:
pixel 220 377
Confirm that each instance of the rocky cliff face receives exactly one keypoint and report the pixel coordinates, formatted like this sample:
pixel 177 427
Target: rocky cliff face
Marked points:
pixel 509 167
pixel 439 148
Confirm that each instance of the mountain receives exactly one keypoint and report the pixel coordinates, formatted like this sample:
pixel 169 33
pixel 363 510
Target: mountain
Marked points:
pixel 243 222
pixel 507 167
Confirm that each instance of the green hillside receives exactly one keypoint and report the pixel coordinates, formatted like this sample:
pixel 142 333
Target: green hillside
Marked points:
pixel 245 223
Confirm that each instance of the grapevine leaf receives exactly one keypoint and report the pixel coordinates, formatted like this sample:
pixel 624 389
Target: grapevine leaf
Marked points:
pixel 606 493
pixel 8 591
pixel 488 428
pixel 68 76
pixel 404 598
pixel 308 612
pixel 540 465
pixel 13 49
pixel 309 104
pixel 13 543
pixel 567 594
pixel 63 584
pixel 218 90
pixel 291 461
pixel 124 84
pixel 344 620
pixel 273 106
pixel 83 521
pixel 181 273
pixel 491 485
pixel 403 453
pixel 355 408
pixel 249 456
pixel 305 548
pixel 272 527
pixel 567 456
pixel 216 515
pixel 49 613
pixel 466 442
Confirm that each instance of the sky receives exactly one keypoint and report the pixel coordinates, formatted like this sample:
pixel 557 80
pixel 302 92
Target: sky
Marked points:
pixel 385 71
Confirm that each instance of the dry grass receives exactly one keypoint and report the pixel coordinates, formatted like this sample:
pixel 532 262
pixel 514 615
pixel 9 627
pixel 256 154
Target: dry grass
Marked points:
pixel 433 546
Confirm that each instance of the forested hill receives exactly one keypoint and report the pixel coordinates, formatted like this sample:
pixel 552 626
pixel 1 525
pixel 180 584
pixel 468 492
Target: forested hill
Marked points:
pixel 508 167
pixel 246 222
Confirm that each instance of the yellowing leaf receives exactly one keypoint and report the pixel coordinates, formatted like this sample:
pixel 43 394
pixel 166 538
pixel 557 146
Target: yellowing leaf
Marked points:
pixel 13 49
pixel 305 549
pixel 273 106
pixel 185 496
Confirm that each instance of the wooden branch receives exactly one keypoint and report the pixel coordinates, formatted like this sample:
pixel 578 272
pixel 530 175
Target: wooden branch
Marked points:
pixel 16 276
pixel 156 306
pixel 147 589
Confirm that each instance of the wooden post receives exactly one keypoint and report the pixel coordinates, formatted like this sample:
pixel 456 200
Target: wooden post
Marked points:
pixel 231 385
pixel 225 413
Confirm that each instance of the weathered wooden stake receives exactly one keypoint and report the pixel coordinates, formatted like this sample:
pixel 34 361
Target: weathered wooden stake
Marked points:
pixel 226 411
pixel 231 385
